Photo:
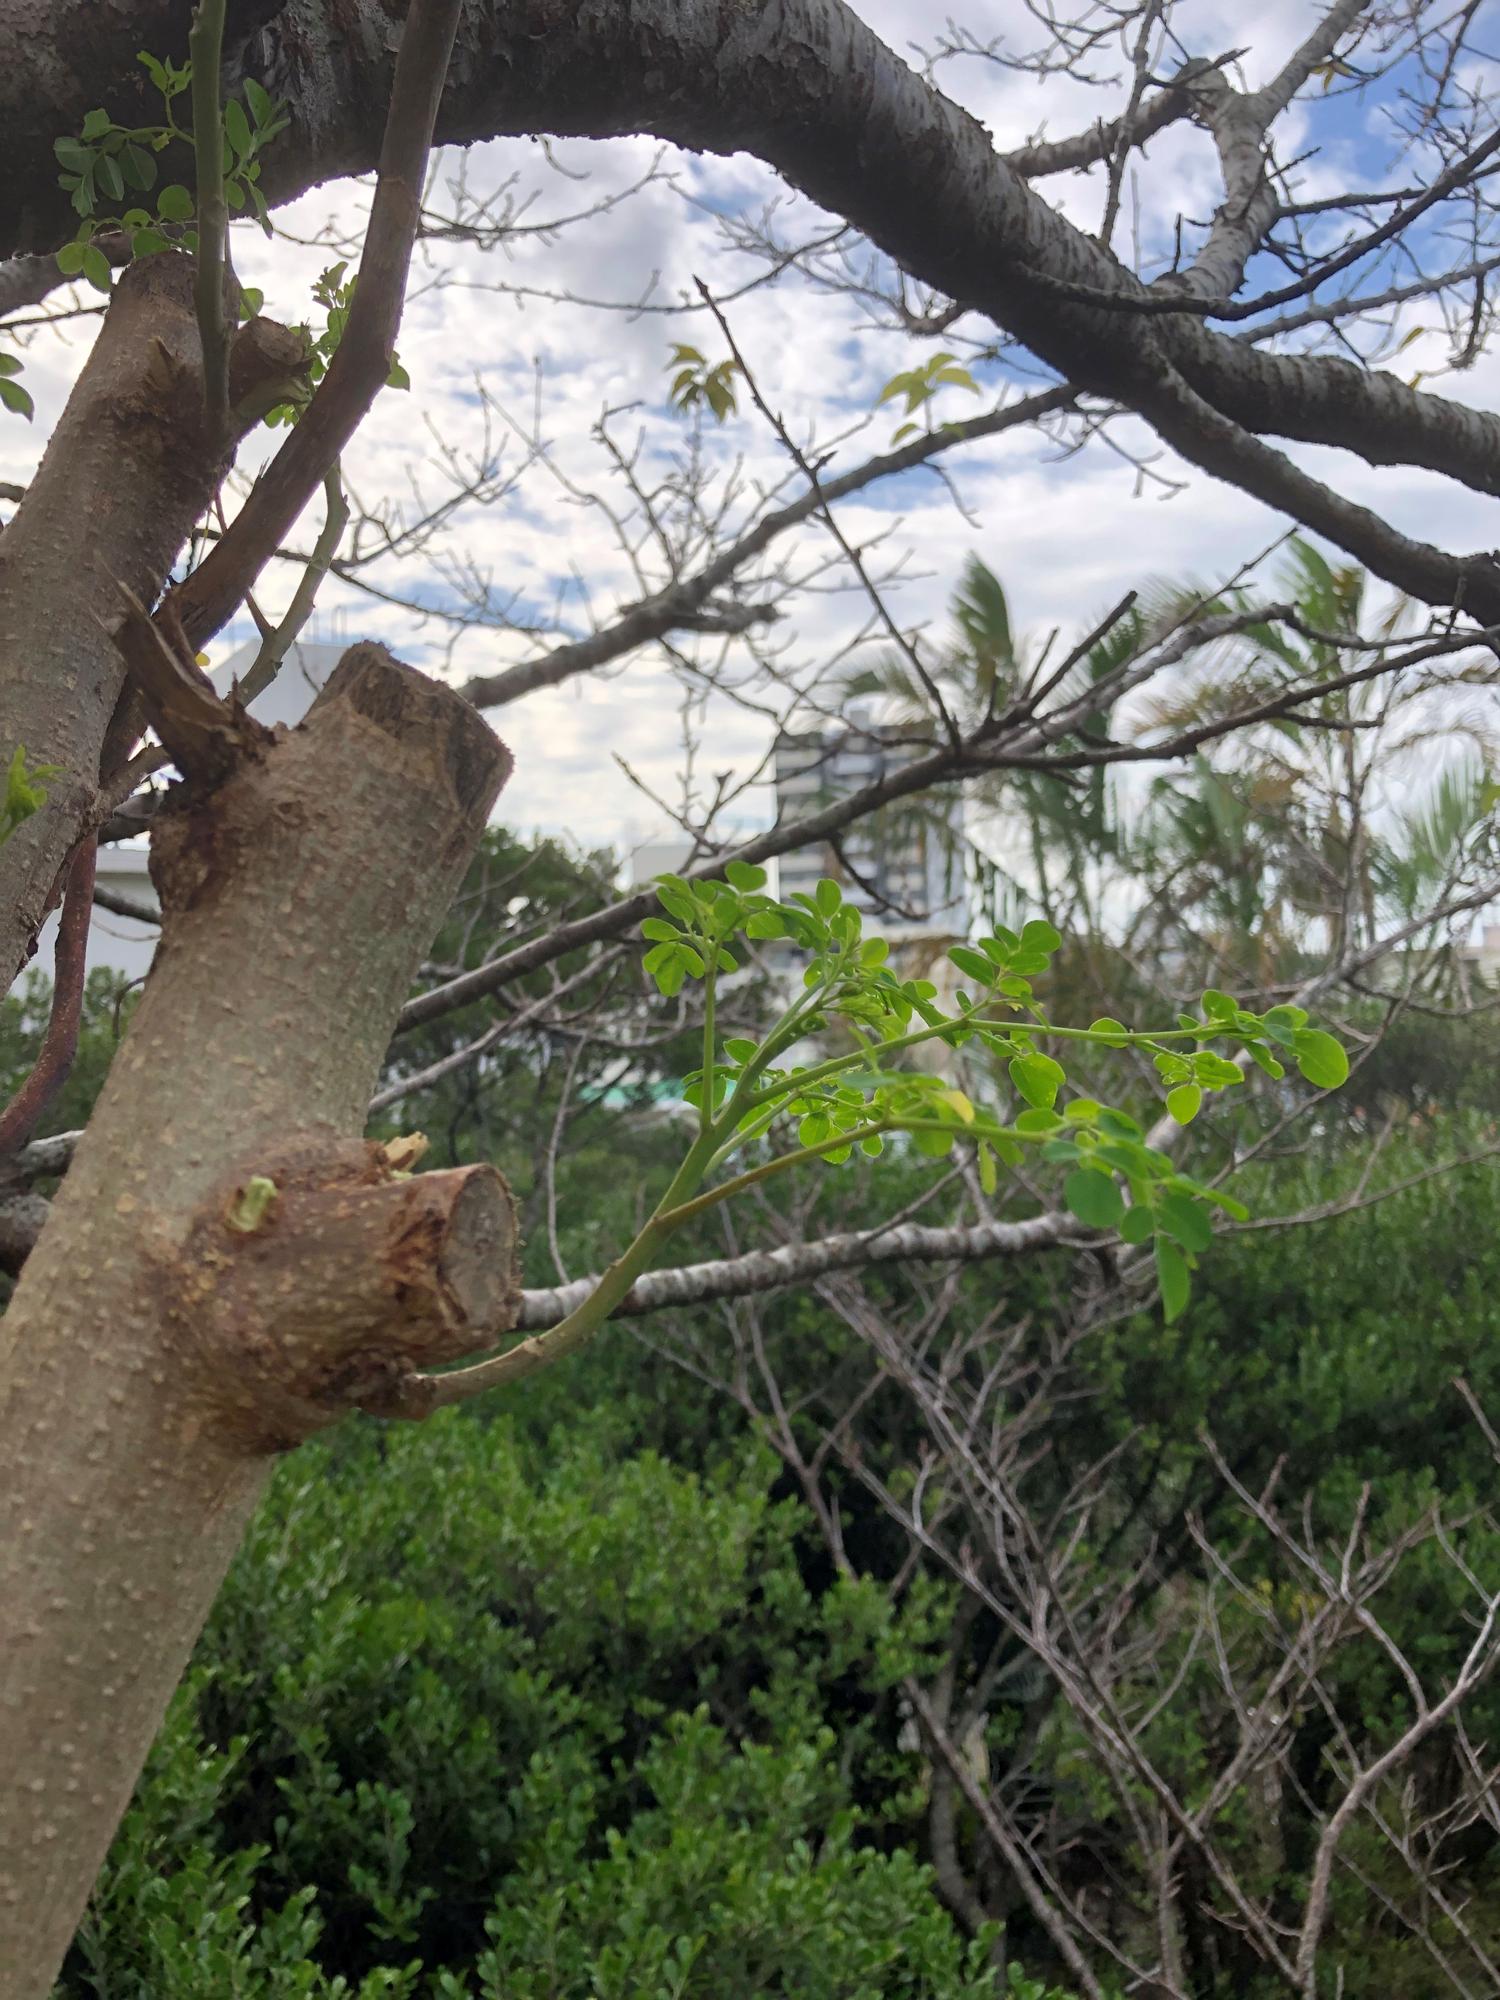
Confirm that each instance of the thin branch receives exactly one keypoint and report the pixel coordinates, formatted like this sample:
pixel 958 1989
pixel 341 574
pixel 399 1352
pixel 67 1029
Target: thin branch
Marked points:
pixel 906 645
pixel 1106 141
pixel 125 906
pixel 60 1043
pixel 1049 1918
pixel 981 751
pixel 670 609
pixel 220 584
pixel 211 263
pixel 798 1263
pixel 202 731
pixel 278 642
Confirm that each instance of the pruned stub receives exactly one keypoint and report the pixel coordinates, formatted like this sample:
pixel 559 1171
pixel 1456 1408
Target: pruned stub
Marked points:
pixel 322 1280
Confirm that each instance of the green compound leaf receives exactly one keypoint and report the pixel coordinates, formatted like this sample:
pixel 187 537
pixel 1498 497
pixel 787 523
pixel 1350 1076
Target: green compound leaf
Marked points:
pixel 1320 1058
pixel 73 156
pixel 96 268
pixel 974 963
pixel 1181 1217
pixel 1184 1102
pixel 1040 936
pixel 237 127
pixel 1172 1275
pixel 1094 1198
pixel 138 167
pixel 1038 1078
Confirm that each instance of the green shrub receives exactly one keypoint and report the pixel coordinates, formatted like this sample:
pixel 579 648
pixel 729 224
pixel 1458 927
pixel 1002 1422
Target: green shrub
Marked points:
pixel 480 1713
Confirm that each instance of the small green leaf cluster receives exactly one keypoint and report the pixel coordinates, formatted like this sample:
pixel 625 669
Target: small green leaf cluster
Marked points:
pixel 852 1102
pixel 700 916
pixel 25 790
pixel 1104 1147
pixel 695 382
pixel 918 386
pixel 105 163
pixel 335 294
pixel 1190 1077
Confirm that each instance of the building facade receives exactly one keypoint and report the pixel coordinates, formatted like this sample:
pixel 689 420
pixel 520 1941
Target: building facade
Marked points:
pixel 902 867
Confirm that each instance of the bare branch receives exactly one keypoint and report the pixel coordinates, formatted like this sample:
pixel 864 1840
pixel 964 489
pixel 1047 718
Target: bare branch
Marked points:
pixel 359 368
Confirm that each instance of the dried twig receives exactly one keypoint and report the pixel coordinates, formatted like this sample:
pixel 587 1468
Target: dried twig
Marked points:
pixel 60 1043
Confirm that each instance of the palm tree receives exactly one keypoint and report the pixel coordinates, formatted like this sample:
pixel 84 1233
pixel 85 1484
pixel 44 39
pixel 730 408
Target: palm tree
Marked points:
pixel 1243 863
pixel 1310 836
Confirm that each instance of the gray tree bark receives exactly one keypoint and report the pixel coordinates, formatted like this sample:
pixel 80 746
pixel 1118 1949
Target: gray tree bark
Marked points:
pixel 229 1267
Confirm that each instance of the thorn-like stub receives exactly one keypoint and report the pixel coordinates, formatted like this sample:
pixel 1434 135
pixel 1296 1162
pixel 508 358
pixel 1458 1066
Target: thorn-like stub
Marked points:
pixel 350 1277
pixel 251 1205
pixel 207 735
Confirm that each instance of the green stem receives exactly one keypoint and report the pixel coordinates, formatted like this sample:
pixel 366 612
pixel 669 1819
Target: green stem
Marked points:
pixel 676 1207
pixel 1129 1038
pixel 745 1136
pixel 277 644
pixel 836 1065
pixel 710 1043
pixel 782 1033
pixel 541 1350
pixel 205 51
pixel 675 1217
pixel 971 1017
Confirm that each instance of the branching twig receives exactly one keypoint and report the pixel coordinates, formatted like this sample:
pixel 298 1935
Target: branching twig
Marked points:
pixel 60 1044
pixel 215 590
pixel 205 50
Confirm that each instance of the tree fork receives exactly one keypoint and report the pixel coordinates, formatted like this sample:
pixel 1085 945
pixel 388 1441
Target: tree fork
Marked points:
pixel 178 1323
pixel 127 472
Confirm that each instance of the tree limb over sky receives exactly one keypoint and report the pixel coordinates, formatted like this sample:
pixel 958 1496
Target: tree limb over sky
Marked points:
pixel 805 86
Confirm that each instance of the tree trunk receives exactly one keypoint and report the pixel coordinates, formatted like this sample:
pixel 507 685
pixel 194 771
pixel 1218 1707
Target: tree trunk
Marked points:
pixel 125 475
pixel 228 1267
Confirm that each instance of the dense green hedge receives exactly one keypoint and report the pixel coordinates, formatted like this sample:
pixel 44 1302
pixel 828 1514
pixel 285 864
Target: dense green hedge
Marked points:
pixel 485 1715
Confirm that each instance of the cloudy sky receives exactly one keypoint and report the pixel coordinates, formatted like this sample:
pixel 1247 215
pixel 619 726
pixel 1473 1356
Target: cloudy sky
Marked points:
pixel 1066 536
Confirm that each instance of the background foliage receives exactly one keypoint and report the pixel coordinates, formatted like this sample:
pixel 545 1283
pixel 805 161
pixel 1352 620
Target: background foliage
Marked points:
pixel 568 1699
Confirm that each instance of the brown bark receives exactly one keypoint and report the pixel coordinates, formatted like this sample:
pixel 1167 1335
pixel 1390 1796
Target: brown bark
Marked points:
pixel 172 1330
pixel 125 475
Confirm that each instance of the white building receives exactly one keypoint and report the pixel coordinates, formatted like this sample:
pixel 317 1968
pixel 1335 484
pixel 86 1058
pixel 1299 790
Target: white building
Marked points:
pixel 903 866
pixel 1484 953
